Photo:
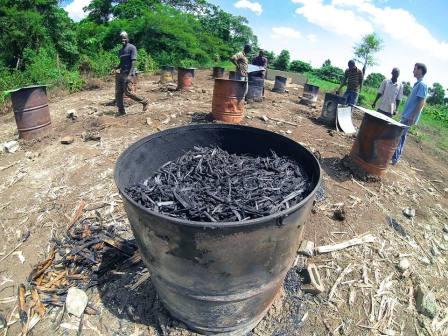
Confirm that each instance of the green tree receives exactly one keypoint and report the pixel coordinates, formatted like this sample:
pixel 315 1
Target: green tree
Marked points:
pixel 366 49
pixel 299 66
pixel 407 88
pixel 374 79
pixel 282 61
pixel 270 55
pixel 326 63
pixel 329 73
pixel 436 94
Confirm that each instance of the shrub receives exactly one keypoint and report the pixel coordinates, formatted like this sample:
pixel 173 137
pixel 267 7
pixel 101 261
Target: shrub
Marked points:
pixel 299 66
pixel 330 73
pixel 374 80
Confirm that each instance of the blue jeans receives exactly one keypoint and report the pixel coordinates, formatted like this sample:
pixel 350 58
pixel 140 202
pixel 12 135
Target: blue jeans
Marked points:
pixel 351 96
pixel 400 147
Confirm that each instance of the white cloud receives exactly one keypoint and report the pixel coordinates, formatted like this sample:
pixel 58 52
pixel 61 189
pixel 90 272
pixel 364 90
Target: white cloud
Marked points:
pixel 312 38
pixel 340 21
pixel 75 9
pixel 253 6
pixel 286 32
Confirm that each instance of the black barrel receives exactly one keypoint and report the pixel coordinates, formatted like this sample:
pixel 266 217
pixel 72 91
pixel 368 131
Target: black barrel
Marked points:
pixel 330 107
pixel 215 277
pixel 232 75
pixel 256 88
pixel 218 72
pixel 280 84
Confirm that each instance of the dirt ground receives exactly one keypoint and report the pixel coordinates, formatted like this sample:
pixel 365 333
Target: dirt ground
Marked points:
pixel 365 293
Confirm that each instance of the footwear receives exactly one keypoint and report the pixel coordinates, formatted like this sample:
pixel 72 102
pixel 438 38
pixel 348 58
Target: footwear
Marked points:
pixel 120 114
pixel 145 106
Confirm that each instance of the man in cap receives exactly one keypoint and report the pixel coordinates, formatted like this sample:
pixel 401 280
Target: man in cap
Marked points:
pixel 413 107
pixel 353 78
pixel 391 93
pixel 125 75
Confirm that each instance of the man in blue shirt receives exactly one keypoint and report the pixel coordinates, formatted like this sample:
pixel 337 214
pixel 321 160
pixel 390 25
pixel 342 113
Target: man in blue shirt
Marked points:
pixel 413 107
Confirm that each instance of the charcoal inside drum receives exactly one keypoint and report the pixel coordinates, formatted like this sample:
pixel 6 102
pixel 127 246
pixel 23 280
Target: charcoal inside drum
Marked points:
pixel 208 184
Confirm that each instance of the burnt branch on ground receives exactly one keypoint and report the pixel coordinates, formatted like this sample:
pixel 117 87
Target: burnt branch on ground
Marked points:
pixel 211 185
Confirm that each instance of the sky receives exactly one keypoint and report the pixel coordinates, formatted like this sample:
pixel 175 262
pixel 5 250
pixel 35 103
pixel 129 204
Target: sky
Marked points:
pixel 315 30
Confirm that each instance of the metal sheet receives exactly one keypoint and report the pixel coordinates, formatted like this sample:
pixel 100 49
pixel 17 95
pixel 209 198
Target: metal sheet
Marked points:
pixel 381 116
pixel 344 120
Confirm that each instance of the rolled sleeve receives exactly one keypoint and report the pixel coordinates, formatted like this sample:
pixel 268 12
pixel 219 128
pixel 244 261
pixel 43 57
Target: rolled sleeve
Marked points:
pixel 382 87
pixel 133 53
pixel 422 91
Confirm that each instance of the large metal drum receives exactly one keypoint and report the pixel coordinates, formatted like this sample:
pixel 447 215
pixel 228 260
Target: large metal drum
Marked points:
pixel 185 77
pixel 217 278
pixel 31 111
pixel 256 88
pixel 166 74
pixel 330 108
pixel 228 100
pixel 280 84
pixel 218 72
pixel 377 140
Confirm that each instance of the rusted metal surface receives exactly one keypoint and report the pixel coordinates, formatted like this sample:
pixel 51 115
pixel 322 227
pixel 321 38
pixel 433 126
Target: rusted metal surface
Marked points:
pixel 376 142
pixel 218 72
pixel 232 75
pixel 256 88
pixel 310 94
pixel 185 77
pixel 330 108
pixel 228 100
pixel 217 278
pixel 31 111
pixel 166 74
pixel 280 84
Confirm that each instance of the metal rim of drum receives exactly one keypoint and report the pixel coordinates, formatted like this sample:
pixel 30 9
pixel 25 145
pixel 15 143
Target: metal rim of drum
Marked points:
pixel 261 220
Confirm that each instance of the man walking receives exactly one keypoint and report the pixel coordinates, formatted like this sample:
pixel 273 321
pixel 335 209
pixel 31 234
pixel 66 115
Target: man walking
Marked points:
pixel 413 107
pixel 391 93
pixel 353 78
pixel 125 75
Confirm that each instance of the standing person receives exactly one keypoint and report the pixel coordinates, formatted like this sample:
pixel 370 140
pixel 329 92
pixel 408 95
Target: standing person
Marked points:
pixel 242 65
pixel 413 107
pixel 261 61
pixel 241 62
pixel 391 93
pixel 125 75
pixel 353 78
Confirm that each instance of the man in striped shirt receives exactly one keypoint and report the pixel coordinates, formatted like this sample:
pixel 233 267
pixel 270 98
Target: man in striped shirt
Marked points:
pixel 353 78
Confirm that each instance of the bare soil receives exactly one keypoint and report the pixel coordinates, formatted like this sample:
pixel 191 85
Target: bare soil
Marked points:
pixel 42 184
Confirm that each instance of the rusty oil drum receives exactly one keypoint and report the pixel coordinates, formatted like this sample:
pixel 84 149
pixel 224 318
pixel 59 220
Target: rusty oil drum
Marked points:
pixel 228 100
pixel 31 111
pixel 185 78
pixel 377 140
pixel 217 278
pixel 218 72
pixel 166 74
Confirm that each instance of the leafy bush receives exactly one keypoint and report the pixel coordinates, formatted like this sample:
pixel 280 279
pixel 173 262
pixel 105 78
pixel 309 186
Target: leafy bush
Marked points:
pixel 299 66
pixel 330 73
pixel 374 80
pixel 437 112
pixel 282 61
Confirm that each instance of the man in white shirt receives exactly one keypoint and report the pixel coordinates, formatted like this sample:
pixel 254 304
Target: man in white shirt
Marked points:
pixel 391 93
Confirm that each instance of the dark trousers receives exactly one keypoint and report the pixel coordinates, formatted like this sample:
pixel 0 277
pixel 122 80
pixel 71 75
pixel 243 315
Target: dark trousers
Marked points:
pixel 124 85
